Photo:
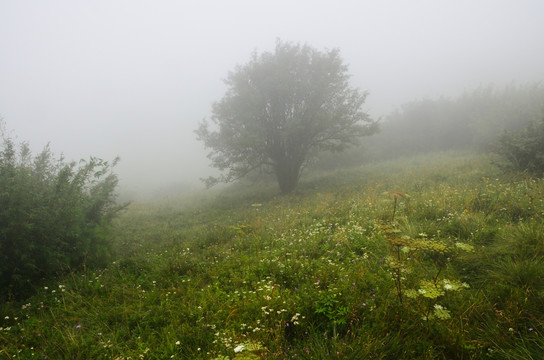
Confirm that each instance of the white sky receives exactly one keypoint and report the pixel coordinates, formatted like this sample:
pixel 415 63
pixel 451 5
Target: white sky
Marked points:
pixel 134 78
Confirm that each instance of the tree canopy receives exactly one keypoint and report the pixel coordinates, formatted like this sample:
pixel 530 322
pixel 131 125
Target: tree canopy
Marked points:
pixel 280 110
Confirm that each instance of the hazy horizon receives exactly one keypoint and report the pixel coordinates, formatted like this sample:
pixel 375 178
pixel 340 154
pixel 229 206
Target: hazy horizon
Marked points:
pixel 134 79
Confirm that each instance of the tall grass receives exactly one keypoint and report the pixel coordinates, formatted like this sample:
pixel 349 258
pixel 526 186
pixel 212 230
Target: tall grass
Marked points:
pixel 323 273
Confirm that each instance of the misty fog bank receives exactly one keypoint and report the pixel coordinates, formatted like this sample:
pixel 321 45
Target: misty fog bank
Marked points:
pixel 133 80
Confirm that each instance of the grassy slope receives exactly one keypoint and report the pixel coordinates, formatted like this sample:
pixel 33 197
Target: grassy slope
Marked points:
pixel 323 273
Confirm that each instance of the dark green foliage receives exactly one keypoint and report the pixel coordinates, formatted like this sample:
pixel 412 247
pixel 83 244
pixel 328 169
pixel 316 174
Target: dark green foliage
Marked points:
pixel 54 215
pixel 523 150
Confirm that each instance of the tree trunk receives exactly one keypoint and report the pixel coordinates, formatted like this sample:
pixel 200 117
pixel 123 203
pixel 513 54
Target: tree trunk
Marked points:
pixel 287 174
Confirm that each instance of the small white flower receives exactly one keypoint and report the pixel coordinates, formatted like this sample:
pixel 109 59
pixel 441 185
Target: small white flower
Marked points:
pixel 178 342
pixel 239 348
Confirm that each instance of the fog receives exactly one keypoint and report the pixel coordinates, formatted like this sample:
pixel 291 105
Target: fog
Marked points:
pixel 134 78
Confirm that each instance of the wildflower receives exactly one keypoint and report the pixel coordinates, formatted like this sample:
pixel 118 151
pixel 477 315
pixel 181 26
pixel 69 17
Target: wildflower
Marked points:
pixel 178 342
pixel 78 327
pixel 441 312
pixel 239 348
pixel 364 304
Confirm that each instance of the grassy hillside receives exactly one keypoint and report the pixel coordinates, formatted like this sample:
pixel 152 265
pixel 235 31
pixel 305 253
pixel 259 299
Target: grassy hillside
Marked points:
pixel 436 257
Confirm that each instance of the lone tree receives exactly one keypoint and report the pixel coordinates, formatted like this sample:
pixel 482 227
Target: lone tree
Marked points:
pixel 280 110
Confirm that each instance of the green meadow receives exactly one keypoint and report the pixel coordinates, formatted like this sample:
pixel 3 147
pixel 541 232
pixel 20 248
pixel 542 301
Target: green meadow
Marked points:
pixel 432 257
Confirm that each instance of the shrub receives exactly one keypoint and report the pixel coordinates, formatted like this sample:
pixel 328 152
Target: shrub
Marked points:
pixel 54 215
pixel 523 150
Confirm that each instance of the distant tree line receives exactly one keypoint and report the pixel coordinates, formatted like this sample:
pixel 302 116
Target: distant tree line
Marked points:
pixel 475 120
pixel 54 215
pixel 479 120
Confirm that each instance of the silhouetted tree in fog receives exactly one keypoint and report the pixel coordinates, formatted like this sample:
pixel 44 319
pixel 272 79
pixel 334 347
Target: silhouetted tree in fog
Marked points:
pixel 280 110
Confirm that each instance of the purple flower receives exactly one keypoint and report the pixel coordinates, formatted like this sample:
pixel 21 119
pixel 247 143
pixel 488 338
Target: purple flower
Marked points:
pixel 78 327
pixel 364 304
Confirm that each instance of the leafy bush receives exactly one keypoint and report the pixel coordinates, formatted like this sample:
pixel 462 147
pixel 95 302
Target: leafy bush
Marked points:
pixel 54 215
pixel 523 150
